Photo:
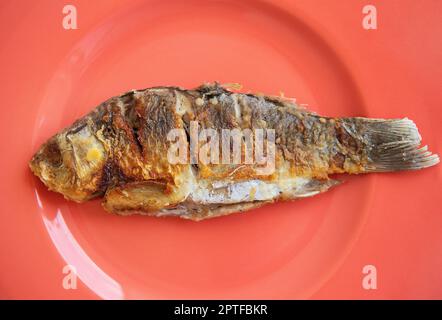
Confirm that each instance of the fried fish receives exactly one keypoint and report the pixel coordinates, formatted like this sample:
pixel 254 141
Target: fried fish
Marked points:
pixel 121 151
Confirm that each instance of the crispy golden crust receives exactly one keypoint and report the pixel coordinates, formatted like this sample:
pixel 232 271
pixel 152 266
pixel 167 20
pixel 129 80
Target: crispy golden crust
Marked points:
pixel 120 149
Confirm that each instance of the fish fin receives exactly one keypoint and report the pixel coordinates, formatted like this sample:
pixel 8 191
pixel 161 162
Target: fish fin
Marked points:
pixel 394 145
pixel 311 188
pixel 213 211
pixel 146 196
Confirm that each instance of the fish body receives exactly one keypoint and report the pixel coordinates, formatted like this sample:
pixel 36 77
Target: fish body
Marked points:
pixel 126 151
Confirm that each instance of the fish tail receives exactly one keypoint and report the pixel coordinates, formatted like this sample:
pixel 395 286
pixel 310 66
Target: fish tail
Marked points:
pixel 393 145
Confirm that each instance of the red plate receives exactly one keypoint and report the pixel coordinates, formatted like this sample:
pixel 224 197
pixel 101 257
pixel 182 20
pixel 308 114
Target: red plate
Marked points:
pixel 316 51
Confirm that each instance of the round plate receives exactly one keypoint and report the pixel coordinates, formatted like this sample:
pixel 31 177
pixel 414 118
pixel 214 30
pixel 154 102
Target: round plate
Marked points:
pixel 307 248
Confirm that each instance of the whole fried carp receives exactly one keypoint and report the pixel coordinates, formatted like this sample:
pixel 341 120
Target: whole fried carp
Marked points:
pixel 123 151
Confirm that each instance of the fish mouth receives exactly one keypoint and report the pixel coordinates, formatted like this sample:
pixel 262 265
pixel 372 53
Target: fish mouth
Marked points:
pixel 46 162
pixel 40 169
pixel 50 176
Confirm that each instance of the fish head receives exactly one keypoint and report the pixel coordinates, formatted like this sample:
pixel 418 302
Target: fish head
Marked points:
pixel 72 163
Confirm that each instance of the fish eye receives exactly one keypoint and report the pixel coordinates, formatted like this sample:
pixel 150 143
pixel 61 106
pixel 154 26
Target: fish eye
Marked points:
pixel 53 154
